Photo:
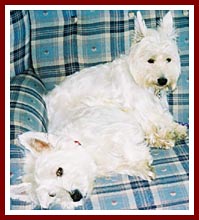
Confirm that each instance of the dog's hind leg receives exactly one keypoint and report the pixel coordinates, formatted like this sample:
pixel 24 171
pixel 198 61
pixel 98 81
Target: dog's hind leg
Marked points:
pixel 142 169
pixel 137 161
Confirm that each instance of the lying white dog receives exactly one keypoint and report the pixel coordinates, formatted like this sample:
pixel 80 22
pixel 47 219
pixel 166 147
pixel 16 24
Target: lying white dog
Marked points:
pixel 102 120
pixel 57 170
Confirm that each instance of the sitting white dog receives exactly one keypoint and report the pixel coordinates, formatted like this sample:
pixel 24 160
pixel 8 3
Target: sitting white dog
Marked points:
pixel 102 120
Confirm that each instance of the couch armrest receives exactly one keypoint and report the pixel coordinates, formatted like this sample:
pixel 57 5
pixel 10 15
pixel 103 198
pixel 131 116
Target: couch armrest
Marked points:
pixel 27 107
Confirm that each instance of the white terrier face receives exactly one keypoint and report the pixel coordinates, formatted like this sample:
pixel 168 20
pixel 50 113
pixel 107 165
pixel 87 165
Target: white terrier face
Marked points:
pixel 61 171
pixel 154 60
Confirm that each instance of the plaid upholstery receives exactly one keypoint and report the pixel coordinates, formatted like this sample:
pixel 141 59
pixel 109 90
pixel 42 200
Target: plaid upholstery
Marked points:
pixel 27 108
pixel 27 112
pixel 168 191
pixel 63 42
pixel 19 42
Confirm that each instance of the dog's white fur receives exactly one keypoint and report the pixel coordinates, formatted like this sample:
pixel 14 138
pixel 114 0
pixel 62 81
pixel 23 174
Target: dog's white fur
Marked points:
pixel 46 154
pixel 114 111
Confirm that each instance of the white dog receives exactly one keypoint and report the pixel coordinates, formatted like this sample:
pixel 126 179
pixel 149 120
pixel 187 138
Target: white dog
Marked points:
pixel 102 120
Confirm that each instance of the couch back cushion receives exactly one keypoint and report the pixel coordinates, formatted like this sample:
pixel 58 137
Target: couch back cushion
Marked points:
pixel 64 42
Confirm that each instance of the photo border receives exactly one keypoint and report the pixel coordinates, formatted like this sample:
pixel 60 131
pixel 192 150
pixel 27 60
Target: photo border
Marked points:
pixel 19 213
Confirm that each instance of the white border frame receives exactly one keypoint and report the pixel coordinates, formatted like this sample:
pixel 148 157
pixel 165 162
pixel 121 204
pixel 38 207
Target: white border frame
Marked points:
pixel 7 110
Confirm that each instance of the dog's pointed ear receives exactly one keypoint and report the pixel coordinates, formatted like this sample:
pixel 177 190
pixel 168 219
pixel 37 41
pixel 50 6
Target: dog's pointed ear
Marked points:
pixel 167 26
pixel 140 28
pixel 36 142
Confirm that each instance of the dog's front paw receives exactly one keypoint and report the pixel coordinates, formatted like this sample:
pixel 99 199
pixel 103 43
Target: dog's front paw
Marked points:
pixel 160 140
pixel 180 132
pixel 166 137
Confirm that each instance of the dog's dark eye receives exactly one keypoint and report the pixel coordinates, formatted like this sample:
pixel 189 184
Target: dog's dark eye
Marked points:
pixel 59 171
pixel 168 60
pixel 151 60
pixel 52 194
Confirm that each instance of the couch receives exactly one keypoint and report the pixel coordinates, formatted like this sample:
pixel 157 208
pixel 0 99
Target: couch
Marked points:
pixel 48 45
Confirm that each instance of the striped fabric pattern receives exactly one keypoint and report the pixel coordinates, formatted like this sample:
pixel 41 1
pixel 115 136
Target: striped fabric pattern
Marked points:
pixel 63 42
pixel 19 42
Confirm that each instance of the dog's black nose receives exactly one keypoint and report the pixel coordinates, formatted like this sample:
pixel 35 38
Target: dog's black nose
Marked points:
pixel 76 195
pixel 162 81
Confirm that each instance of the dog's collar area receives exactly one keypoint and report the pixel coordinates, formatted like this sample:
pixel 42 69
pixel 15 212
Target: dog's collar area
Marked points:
pixel 158 94
pixel 156 91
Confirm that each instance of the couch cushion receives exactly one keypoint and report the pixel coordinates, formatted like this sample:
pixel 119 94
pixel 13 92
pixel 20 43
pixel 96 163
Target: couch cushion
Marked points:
pixel 64 42
pixel 169 191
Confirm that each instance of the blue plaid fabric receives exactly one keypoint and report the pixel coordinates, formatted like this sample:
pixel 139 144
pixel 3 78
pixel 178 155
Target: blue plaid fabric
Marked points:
pixel 63 42
pixel 27 107
pixel 168 191
pixel 20 59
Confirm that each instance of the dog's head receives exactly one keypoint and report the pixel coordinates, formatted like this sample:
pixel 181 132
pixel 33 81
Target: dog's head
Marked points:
pixel 59 170
pixel 154 59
